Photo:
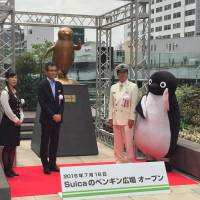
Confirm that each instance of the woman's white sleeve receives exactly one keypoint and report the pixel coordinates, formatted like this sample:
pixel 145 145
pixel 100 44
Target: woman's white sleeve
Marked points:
pixel 6 107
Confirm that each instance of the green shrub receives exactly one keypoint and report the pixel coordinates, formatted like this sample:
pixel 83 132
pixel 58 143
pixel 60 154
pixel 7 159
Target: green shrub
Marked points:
pixel 27 88
pixel 189 102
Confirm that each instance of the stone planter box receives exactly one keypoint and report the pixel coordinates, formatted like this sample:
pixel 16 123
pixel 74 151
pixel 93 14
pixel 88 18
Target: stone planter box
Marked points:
pixel 187 157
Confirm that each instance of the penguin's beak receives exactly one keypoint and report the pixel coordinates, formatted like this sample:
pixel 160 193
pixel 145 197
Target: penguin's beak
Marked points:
pixel 66 34
pixel 154 86
pixel 155 89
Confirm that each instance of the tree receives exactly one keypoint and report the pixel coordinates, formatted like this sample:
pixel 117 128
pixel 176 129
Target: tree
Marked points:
pixel 29 70
pixel 26 64
pixel 40 49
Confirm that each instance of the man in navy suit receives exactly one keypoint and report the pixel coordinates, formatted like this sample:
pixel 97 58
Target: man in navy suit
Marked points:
pixel 50 96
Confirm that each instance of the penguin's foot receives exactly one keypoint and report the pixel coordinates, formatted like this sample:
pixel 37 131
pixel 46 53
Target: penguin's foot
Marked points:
pixel 151 160
pixel 168 167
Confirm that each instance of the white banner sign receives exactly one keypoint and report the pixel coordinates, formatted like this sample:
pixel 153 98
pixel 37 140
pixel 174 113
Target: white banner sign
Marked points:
pixel 84 182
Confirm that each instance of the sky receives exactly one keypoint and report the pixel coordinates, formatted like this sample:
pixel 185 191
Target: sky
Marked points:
pixel 89 7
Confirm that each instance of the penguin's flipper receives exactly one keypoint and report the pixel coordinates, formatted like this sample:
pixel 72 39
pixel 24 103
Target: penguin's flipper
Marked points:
pixel 166 100
pixel 77 46
pixel 49 50
pixel 174 121
pixel 141 107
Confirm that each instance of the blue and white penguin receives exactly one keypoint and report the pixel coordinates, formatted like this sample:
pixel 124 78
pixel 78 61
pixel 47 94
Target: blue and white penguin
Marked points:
pixel 158 122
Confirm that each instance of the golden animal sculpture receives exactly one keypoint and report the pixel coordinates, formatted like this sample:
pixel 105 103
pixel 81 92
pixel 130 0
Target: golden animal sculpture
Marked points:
pixel 63 53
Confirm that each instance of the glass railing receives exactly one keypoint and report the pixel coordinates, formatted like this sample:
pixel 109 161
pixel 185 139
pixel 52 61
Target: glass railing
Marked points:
pixel 169 60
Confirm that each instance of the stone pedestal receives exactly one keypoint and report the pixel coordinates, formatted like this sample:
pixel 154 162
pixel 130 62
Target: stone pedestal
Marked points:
pixel 77 135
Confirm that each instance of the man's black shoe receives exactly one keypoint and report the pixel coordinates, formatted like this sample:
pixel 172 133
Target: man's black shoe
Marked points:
pixel 47 171
pixel 9 174
pixel 54 169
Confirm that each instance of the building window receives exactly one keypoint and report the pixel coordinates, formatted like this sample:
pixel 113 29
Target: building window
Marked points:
pixel 176 15
pixel 30 31
pixel 158 19
pixel 167 17
pixel 159 9
pixel 169 47
pixel 166 36
pixel 159 1
pixel 167 27
pixel 158 37
pixel 177 4
pixel 159 28
pixel 152 30
pixel 152 11
pixel 172 61
pixel 187 2
pixel 152 2
pixel 189 23
pixel 176 25
pixel 152 20
pixel 176 35
pixel 168 7
pixel 189 34
pixel 189 12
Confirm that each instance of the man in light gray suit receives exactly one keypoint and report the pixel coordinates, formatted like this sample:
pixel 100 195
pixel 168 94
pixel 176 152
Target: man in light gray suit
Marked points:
pixel 123 100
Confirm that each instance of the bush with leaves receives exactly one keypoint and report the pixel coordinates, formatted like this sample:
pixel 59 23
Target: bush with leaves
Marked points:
pixel 189 102
pixel 28 86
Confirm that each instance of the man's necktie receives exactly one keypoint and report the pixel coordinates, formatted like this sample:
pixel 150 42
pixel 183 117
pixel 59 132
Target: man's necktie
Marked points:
pixel 53 88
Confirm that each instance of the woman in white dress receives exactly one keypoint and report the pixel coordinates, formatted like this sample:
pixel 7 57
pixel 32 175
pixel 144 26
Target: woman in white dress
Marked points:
pixel 11 122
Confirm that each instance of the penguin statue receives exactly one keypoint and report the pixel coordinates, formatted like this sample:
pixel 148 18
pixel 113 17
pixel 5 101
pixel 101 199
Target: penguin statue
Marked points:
pixel 63 53
pixel 158 122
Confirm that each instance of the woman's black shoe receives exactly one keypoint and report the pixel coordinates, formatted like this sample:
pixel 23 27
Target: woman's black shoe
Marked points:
pixel 14 173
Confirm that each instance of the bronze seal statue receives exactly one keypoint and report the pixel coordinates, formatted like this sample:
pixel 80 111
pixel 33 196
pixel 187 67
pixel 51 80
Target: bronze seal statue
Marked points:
pixel 63 53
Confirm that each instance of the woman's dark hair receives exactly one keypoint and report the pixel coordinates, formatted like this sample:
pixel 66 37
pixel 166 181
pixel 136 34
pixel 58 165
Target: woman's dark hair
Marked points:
pixel 9 74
